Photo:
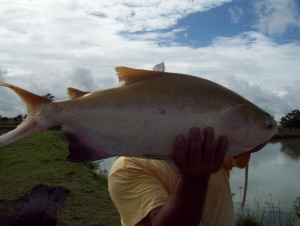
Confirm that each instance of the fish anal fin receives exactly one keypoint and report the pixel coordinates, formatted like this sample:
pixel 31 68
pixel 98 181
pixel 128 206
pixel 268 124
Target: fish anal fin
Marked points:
pixel 127 74
pixel 81 147
pixel 75 93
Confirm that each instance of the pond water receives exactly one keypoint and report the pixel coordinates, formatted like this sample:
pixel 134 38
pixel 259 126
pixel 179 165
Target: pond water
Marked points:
pixel 274 176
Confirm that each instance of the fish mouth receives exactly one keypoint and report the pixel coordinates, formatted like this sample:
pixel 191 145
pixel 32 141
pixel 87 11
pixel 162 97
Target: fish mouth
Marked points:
pixel 265 129
pixel 271 124
pixel 260 131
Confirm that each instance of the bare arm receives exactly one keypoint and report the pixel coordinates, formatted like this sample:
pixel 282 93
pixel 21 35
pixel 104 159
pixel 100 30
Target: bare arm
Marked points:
pixel 185 205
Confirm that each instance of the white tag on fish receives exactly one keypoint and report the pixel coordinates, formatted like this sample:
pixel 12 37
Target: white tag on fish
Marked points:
pixel 159 67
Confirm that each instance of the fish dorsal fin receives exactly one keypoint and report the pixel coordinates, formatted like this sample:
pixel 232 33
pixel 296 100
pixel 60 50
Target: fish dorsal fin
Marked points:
pixel 127 74
pixel 75 93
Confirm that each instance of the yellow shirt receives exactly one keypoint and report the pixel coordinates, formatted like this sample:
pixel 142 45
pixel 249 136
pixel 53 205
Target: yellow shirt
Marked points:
pixel 137 186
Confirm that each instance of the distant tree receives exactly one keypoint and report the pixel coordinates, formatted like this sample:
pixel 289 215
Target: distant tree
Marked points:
pixel 18 118
pixel 49 96
pixel 291 120
pixel 4 119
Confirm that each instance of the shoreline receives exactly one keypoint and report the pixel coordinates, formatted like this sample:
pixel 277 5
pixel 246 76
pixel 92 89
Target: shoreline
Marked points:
pixel 285 136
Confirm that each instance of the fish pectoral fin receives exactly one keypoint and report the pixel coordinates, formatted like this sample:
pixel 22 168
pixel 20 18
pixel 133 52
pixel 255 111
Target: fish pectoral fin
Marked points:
pixel 81 147
pixel 127 74
pixel 239 124
pixel 75 93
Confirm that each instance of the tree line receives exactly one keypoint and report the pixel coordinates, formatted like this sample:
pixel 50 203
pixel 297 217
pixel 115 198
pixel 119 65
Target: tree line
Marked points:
pixel 291 120
pixel 17 118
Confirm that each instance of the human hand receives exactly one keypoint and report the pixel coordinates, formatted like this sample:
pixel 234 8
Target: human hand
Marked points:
pixel 198 160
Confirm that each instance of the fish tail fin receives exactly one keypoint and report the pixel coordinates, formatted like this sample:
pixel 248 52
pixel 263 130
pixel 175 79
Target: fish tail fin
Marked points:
pixel 29 125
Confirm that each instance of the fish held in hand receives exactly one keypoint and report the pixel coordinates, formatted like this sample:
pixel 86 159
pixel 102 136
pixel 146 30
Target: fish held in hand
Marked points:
pixel 142 117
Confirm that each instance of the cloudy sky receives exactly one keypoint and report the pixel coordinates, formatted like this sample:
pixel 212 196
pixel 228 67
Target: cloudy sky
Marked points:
pixel 251 47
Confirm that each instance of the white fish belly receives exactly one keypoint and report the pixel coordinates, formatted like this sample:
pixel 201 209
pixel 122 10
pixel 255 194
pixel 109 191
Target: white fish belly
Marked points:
pixel 152 133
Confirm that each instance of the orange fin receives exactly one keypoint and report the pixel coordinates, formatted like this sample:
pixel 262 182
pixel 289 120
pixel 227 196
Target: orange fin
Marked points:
pixel 127 74
pixel 30 99
pixel 30 125
pixel 75 93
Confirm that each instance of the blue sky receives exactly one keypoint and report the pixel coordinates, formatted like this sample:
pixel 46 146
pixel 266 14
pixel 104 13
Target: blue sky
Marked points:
pixel 201 28
pixel 251 47
pixel 229 19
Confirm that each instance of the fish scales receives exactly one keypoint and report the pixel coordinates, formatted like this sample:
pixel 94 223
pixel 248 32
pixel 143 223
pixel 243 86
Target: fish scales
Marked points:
pixel 143 117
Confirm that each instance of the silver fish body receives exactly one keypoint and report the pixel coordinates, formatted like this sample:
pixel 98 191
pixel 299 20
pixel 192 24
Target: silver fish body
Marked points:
pixel 143 117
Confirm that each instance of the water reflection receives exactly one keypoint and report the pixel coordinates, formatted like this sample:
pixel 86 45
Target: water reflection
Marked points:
pixel 106 164
pixel 273 170
pixel 290 147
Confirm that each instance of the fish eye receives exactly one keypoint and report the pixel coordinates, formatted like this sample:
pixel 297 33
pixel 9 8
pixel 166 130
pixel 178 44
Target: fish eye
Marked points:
pixel 270 126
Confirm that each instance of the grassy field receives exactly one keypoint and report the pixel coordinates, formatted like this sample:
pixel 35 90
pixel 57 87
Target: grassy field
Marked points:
pixel 40 158
pixel 7 126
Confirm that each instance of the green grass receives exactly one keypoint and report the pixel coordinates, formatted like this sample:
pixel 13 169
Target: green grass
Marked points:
pixel 262 214
pixel 7 126
pixel 40 158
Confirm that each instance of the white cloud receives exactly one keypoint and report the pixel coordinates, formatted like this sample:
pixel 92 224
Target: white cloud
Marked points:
pixel 235 14
pixel 2 73
pixel 269 101
pixel 50 45
pixel 276 16
pixel 136 15
pixel 83 77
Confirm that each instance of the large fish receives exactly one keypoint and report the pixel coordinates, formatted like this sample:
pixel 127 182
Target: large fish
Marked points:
pixel 143 116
